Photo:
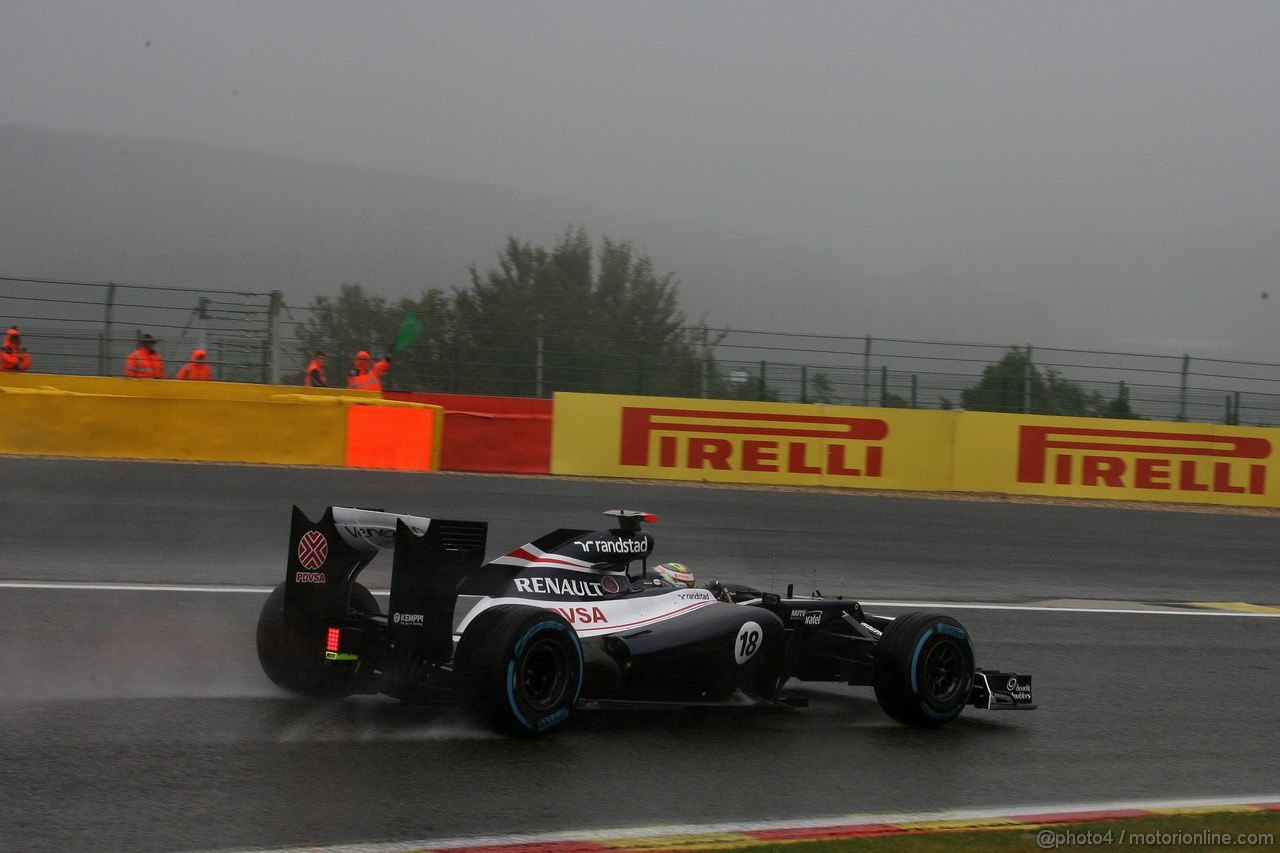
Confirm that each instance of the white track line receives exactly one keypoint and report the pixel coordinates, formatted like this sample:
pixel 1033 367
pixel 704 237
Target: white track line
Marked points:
pixel 1048 608
pixel 96 586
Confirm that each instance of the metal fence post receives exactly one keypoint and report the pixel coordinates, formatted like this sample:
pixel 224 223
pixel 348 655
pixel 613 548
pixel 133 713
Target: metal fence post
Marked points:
pixel 1182 387
pixel 537 367
pixel 706 362
pixel 273 336
pixel 1026 383
pixel 884 383
pixel 104 362
pixel 804 384
pixel 866 372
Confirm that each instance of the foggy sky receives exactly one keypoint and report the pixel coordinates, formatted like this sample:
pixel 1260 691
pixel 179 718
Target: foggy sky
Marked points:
pixel 1066 152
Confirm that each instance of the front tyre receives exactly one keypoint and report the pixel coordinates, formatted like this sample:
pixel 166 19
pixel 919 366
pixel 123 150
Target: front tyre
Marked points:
pixel 923 669
pixel 290 650
pixel 519 669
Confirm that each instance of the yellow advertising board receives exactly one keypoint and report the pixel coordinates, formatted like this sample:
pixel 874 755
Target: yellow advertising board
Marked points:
pixel 89 416
pixel 117 386
pixel 112 427
pixel 1125 460
pixel 729 441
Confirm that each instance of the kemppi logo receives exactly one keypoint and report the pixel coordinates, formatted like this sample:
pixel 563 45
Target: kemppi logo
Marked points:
pixel 752 441
pixel 1174 461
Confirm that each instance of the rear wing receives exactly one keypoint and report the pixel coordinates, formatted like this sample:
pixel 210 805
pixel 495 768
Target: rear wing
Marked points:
pixel 325 557
pixel 322 563
pixel 426 573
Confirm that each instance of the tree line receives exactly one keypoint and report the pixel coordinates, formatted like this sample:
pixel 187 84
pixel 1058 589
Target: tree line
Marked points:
pixel 597 319
pixel 1015 384
pixel 573 317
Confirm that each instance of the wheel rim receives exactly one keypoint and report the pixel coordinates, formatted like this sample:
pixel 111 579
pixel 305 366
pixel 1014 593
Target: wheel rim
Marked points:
pixel 943 672
pixel 543 675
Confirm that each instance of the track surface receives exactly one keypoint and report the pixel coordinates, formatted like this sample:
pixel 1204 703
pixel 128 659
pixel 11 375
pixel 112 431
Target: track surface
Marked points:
pixel 139 720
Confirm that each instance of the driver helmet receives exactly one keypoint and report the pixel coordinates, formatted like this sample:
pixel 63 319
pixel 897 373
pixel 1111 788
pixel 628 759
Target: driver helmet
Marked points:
pixel 674 575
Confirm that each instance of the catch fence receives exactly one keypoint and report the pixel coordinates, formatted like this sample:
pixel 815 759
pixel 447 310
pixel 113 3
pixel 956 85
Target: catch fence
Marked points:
pixel 88 328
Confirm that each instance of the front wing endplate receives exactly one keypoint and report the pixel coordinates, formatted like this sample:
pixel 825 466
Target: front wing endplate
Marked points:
pixel 1001 691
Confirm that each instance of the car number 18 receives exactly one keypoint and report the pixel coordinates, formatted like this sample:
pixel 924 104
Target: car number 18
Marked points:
pixel 748 642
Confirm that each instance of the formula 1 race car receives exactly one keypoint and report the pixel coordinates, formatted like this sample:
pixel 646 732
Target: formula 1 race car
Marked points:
pixel 579 617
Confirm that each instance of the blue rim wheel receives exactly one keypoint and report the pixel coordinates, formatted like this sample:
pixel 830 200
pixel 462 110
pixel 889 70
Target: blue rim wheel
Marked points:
pixel 518 669
pixel 924 669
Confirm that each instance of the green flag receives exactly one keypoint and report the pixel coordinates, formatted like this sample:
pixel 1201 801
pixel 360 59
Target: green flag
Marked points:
pixel 409 331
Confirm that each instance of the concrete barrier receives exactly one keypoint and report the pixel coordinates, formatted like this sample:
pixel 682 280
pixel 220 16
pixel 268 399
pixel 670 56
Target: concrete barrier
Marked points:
pixel 42 414
pixel 118 386
pixel 509 435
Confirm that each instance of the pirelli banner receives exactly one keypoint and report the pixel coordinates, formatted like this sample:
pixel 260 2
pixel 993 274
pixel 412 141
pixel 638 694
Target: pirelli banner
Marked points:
pixel 867 448
pixel 1128 460
pixel 732 442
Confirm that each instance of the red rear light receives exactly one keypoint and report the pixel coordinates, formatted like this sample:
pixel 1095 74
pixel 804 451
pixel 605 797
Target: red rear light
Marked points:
pixel 331 644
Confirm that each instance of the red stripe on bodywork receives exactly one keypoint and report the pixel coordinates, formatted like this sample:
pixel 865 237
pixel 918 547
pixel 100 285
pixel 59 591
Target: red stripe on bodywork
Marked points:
pixel 552 562
pixel 667 615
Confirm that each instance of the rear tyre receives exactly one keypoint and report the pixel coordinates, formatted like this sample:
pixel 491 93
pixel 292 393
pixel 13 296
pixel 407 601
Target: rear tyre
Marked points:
pixel 290 651
pixel 923 669
pixel 519 669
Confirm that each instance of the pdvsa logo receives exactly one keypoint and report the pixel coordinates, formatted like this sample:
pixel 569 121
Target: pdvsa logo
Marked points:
pixel 1142 459
pixel 698 440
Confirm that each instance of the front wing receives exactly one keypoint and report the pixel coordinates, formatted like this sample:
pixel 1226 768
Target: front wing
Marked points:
pixel 1001 691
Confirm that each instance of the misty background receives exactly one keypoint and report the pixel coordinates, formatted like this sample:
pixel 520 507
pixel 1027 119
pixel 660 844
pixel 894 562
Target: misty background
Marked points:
pixel 1077 174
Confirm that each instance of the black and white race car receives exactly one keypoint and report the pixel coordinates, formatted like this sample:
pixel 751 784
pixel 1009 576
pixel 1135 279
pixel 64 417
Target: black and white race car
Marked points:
pixel 579 617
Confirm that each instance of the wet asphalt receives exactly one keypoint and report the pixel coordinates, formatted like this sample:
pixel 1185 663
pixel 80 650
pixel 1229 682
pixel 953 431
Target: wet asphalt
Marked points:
pixel 138 719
